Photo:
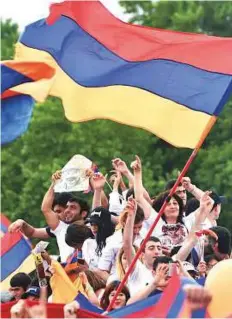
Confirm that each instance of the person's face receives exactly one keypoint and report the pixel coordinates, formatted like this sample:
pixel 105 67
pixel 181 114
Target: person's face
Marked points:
pixel 59 210
pixel 124 262
pixel 72 212
pixel 17 292
pixel 137 228
pixel 172 210
pixel 94 228
pixel 181 192
pixel 152 251
pixel 210 265
pixel 215 213
pixel 120 300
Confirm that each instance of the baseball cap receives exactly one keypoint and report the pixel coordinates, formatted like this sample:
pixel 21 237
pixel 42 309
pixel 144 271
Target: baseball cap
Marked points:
pixel 32 291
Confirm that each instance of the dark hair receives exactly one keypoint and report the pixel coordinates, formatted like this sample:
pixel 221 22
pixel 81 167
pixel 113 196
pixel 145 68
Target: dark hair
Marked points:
pixel 224 239
pixel 216 198
pixel 175 250
pixel 152 238
pixel 105 227
pixel 104 303
pixel 20 280
pixel 170 184
pixel 95 280
pixel 130 192
pixel 139 216
pixel 161 260
pixel 77 234
pixel 208 258
pixel 61 199
pixel 161 198
pixel 83 204
pixel 191 205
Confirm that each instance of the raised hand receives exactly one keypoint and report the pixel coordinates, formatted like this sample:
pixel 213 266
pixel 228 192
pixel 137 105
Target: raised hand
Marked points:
pixel 197 296
pixel 161 274
pixel 56 177
pixel 206 202
pixel 70 310
pixel 120 166
pixel 136 165
pixel 18 310
pixel 16 226
pixel 98 181
pixel 131 206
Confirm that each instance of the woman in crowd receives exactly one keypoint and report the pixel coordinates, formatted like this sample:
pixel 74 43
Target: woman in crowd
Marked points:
pixel 109 294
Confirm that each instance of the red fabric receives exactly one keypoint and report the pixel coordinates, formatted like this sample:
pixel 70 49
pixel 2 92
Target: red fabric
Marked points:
pixel 138 43
pixel 53 311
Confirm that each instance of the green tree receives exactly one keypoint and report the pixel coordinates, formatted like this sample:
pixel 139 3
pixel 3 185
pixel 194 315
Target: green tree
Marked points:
pixel 9 32
pixel 51 140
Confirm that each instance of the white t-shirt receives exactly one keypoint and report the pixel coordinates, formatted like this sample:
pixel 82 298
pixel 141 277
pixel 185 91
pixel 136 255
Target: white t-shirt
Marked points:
pixel 60 233
pixel 109 253
pixel 140 277
pixel 89 252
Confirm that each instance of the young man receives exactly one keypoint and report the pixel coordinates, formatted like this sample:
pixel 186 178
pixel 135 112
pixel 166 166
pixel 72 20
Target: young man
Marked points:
pixel 220 247
pixel 19 284
pixel 160 279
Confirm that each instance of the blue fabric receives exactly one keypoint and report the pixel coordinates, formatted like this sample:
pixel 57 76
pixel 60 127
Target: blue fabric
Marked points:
pixel 86 304
pixel 91 64
pixel 16 114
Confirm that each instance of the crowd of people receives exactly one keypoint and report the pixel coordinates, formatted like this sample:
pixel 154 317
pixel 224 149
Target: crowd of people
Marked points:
pixel 97 245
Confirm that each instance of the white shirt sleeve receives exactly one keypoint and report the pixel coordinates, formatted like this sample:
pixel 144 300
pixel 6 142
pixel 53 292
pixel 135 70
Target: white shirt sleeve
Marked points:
pixel 115 206
pixel 107 258
pixel 59 228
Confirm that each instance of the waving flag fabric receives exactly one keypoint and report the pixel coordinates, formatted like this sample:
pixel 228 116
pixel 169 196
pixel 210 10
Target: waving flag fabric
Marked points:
pixel 167 82
pixel 21 81
pixel 15 254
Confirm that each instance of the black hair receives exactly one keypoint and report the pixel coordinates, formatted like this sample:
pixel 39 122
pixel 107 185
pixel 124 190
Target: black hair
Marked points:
pixel 162 260
pixel 170 184
pixel 130 192
pixel 161 198
pixel 61 199
pixel 77 234
pixel 20 280
pixel 191 205
pixel 216 198
pixel 152 238
pixel 83 204
pixel 224 239
pixel 105 228
pixel 139 216
pixel 175 250
pixel 208 258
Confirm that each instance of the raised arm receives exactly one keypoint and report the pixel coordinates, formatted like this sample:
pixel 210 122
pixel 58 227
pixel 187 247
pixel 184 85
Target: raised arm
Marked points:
pixel 28 230
pixel 187 184
pixel 50 216
pixel 121 166
pixel 131 208
pixel 206 204
pixel 97 182
pixel 139 189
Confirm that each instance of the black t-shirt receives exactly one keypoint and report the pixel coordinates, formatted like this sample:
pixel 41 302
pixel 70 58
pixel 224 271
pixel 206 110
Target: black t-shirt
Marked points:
pixel 50 234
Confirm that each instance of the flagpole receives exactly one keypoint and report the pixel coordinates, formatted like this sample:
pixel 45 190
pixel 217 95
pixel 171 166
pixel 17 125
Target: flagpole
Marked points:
pixel 204 134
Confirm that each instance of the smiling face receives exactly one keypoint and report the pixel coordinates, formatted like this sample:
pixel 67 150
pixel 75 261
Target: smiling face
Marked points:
pixel 72 212
pixel 152 251
pixel 120 300
pixel 171 211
